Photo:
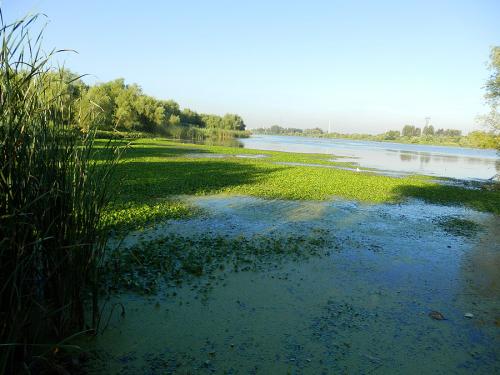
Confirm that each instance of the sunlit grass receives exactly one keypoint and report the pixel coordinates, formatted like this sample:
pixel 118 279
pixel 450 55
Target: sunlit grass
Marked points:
pixel 156 169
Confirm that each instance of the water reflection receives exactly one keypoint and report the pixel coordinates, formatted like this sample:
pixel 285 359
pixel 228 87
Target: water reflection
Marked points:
pixel 227 142
pixel 442 161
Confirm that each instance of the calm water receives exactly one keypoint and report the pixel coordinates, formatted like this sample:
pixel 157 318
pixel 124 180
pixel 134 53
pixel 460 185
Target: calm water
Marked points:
pixel 442 161
pixel 360 307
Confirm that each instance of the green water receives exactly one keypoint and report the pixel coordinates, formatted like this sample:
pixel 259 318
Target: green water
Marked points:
pixel 359 305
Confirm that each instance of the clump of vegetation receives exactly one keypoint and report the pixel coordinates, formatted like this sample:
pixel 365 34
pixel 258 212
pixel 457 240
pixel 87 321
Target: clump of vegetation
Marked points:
pixel 492 95
pixel 53 192
pixel 154 169
pixel 128 216
pixel 116 108
pixel 457 226
pixel 172 259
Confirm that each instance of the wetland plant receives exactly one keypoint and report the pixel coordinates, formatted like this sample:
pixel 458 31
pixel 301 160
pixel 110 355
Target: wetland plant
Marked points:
pixel 53 192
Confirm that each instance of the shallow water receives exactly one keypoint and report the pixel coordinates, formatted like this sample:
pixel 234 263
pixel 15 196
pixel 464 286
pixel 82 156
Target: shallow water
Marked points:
pixel 360 308
pixel 441 161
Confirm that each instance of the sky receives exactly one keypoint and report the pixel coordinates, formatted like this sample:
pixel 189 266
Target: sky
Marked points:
pixel 362 66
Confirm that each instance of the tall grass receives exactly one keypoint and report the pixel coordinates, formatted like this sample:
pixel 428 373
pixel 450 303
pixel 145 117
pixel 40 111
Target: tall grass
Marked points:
pixel 53 192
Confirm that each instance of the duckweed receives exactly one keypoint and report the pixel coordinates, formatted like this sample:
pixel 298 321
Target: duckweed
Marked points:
pixel 154 171
pixel 174 259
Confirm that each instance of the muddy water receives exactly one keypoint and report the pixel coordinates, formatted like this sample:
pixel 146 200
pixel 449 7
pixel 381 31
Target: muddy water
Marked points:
pixel 362 308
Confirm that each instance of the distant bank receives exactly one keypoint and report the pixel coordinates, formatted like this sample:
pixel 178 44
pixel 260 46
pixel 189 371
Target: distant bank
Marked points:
pixel 408 135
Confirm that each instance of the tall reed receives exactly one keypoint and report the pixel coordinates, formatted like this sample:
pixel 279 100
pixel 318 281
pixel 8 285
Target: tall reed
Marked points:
pixel 53 190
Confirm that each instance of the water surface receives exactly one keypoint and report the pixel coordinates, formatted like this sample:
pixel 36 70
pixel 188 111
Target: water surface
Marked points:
pixel 361 307
pixel 441 161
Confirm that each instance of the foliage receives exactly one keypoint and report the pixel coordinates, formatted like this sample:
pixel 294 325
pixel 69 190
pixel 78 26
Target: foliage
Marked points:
pixel 411 131
pixel 53 191
pixel 492 95
pixel 155 169
pixel 117 106
pixel 409 134
pixel 493 84
pixel 126 108
pixel 148 265
pixel 128 216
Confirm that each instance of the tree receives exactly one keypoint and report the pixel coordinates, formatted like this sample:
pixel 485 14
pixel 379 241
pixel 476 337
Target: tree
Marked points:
pixel 174 120
pixel 190 117
pixel 392 135
pixel 98 108
pixel 428 130
pixel 276 129
pixel 126 115
pixel 150 112
pixel 233 122
pixel 492 95
pixel 452 133
pixel 408 131
pixel 64 89
pixel 212 121
pixel 483 139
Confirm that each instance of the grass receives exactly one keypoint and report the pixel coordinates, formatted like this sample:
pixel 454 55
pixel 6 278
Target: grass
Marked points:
pixel 53 193
pixel 154 171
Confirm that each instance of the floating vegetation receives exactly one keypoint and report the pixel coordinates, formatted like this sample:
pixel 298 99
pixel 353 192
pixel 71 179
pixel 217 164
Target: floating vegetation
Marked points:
pixel 457 226
pixel 127 217
pixel 155 169
pixel 150 264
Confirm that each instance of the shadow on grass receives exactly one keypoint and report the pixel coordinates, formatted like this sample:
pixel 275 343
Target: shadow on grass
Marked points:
pixel 149 151
pixel 159 151
pixel 481 200
pixel 145 181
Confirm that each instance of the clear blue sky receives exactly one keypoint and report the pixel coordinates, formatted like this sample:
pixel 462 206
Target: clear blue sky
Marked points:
pixel 367 66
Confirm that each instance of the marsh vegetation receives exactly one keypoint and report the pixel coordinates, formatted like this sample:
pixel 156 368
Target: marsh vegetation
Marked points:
pixel 150 254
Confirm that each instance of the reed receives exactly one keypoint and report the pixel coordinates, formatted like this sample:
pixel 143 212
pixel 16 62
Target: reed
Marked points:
pixel 53 191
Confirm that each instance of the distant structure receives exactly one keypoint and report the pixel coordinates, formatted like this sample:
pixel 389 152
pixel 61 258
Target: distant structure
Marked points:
pixel 427 121
pixel 329 126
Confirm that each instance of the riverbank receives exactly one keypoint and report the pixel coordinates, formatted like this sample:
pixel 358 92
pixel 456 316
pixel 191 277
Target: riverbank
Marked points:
pixel 154 171
pixel 230 260
pixel 476 139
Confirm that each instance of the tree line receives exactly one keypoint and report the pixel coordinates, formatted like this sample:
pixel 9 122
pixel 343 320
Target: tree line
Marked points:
pixel 116 105
pixel 409 134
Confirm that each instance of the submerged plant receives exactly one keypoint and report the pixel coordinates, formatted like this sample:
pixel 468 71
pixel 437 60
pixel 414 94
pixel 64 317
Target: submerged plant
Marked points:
pixel 53 192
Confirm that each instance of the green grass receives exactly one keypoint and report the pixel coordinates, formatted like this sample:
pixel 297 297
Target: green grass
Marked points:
pixel 156 170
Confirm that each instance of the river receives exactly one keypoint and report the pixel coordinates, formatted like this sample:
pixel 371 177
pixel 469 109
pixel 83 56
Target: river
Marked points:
pixel 439 161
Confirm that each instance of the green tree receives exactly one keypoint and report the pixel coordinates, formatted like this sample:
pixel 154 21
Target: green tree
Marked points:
pixel 492 95
pixel 174 120
pixel 150 112
pixel 392 135
pixel 428 130
pixel 64 90
pixel 233 122
pixel 212 121
pixel 98 108
pixel 408 131
pixel 190 117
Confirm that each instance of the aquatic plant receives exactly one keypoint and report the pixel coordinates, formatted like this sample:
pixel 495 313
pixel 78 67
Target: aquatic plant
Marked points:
pixel 148 265
pixel 53 191
pixel 157 169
